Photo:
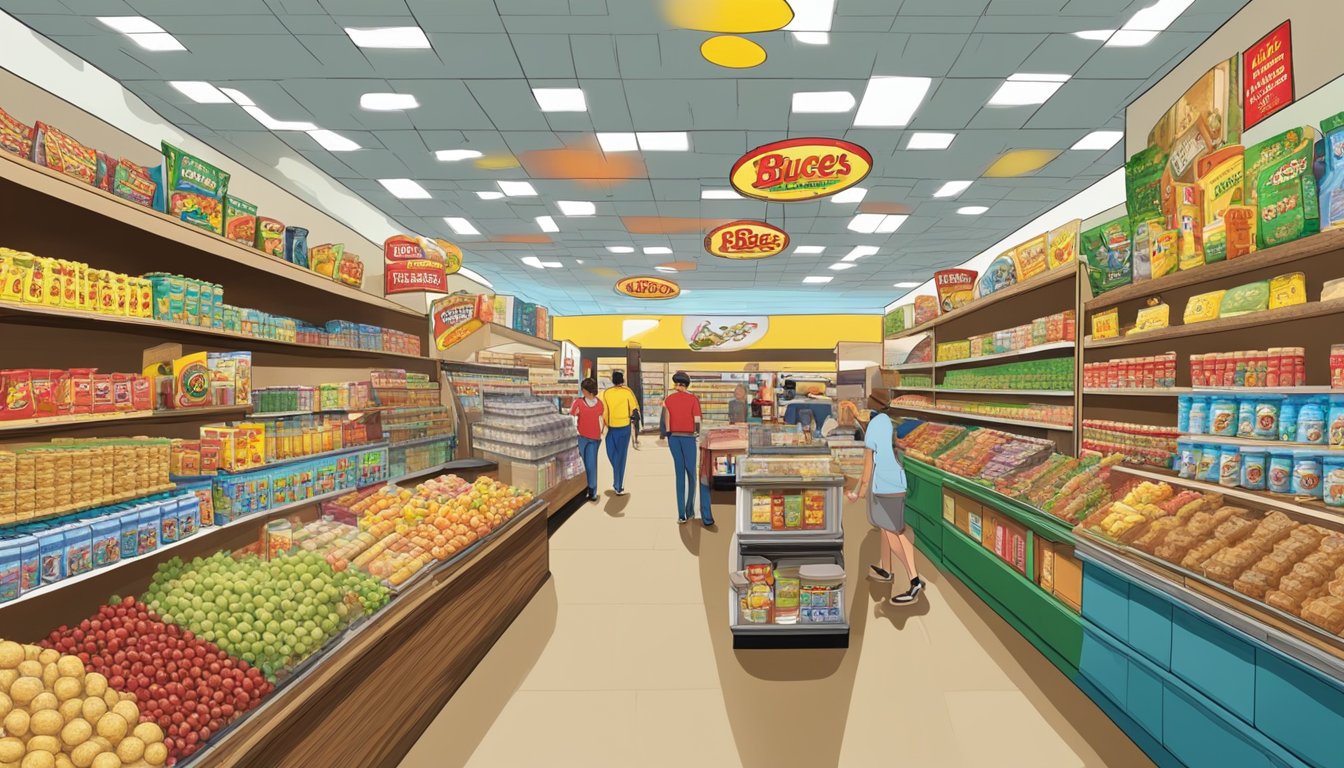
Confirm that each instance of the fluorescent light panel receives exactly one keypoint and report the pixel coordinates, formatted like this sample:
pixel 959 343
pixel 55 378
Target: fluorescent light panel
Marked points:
pixel 576 207
pixel 547 224
pixel 657 250
pixel 921 140
pixel 1099 140
pixel 1158 16
pixel 460 225
pixel 817 279
pixel 130 25
pixel 839 265
pixel 560 99
pixel 453 155
pixel 388 37
pixel 406 189
pixel 1095 34
pixel 972 210
pixel 719 194
pixel 952 188
pixel 891 101
pixel 821 102
pixel 489 194
pixel 517 188
pixel 238 97
pixel 388 102
pixel 809 249
pixel 260 116
pixel 536 263
pixel 617 142
pixel 620 249
pixel 333 141
pixel 905 285
pixel 851 195
pixel 859 251
pixel 1131 38
pixel 811 15
pixel 663 141
pixel 200 91
pixel 810 38
pixel 665 269
pixel 891 223
pixel 1023 89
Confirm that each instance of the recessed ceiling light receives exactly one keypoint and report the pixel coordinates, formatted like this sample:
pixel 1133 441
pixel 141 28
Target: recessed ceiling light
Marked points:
pixel 333 141
pixel 129 25
pixel 839 265
pixel 617 142
pixel 1131 38
pixel 388 102
pixel 817 279
pixel 461 226
pixel 1099 140
pixel 665 269
pixel 620 249
pixel 547 224
pixel 157 41
pixel 922 140
pixel 560 99
pixel 453 155
pixel 809 249
pixel 891 101
pixel 1021 89
pixel 576 207
pixel 719 194
pixel 905 285
pixel 972 210
pixel 578 261
pixel 517 188
pixel 489 194
pixel 663 141
pixel 388 37
pixel 810 15
pixel 891 223
pixel 260 116
pixel 859 251
pixel 820 102
pixel 952 188
pixel 1095 34
pixel 238 97
pixel 657 250
pixel 200 91
pixel 406 189
pixel 876 223
pixel 810 38
pixel 851 195
pixel 536 263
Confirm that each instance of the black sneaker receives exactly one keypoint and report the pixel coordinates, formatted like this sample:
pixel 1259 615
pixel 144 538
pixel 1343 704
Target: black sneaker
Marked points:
pixel 878 573
pixel 910 595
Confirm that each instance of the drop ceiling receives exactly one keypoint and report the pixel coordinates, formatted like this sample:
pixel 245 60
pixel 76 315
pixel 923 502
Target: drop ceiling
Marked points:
pixel 474 90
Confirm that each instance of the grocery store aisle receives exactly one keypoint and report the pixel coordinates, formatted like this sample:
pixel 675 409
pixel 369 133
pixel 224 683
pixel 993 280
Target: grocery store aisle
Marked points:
pixel 624 659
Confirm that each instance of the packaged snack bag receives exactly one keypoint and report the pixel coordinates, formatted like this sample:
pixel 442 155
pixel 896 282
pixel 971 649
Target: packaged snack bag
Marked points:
pixel 926 309
pixel 351 270
pixel 240 220
pixel 1000 274
pixel 1282 186
pixel 1332 183
pixel 955 288
pixel 1107 250
pixel 1143 183
pixel 15 137
pixel 323 259
pixel 270 236
pixel 296 246
pixel 59 152
pixel 1221 181
pixel 194 189
pixel 1030 258
pixel 1062 245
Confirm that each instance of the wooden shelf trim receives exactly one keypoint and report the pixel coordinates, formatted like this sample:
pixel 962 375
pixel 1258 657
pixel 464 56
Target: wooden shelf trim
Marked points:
pixel 989 419
pixel 1019 289
pixel 1269 317
pixel 99 419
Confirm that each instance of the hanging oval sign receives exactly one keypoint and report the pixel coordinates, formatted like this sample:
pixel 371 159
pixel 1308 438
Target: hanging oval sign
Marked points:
pixel 648 288
pixel 746 240
pixel 800 169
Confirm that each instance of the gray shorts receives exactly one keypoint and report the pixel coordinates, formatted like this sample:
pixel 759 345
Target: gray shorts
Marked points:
pixel 887 511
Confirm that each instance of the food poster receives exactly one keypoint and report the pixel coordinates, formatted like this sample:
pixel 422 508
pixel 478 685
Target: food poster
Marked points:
pixel 723 334
pixel 1268 67
pixel 1204 119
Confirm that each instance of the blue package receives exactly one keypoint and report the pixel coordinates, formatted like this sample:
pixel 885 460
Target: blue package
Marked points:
pixel 128 523
pixel 51 556
pixel 78 549
pixel 30 564
pixel 1183 413
pixel 1331 186
pixel 296 246
pixel 9 569
pixel 188 515
pixel 1288 419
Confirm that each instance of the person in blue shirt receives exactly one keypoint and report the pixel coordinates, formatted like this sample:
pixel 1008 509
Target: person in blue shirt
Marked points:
pixel 883 482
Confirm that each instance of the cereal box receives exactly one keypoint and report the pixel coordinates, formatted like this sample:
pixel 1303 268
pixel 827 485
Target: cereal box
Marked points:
pixel 1282 186
pixel 955 288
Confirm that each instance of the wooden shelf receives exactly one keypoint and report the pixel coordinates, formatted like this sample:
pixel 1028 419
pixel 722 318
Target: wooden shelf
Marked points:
pixel 494 336
pixel 1212 391
pixel 1221 325
pixel 53 423
pixel 184 333
pixel 911 367
pixel 1315 245
pixel 1013 291
pixel 1014 392
pixel 989 419
pixel 1140 392
pixel 1053 346
pixel 58 185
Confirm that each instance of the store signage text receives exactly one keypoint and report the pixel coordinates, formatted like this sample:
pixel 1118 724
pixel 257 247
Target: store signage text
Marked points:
pixel 800 169
pixel 1267 81
pixel 746 240
pixel 648 288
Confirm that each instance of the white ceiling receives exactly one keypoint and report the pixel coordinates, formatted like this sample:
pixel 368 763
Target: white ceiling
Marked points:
pixel 294 60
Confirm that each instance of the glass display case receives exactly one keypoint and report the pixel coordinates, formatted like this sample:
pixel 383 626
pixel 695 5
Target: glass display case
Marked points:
pixel 784 439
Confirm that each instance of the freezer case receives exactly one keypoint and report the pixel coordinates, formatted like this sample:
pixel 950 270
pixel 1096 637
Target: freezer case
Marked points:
pixel 789 497
pixel 788 594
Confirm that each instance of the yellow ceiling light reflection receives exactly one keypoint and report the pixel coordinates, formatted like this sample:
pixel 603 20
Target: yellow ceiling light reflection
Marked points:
pixel 497 162
pixel 732 51
pixel 728 16
pixel 1020 162
pixel 605 272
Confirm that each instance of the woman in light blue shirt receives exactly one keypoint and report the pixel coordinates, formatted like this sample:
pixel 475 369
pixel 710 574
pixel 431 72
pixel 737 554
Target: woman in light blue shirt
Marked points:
pixel 884 482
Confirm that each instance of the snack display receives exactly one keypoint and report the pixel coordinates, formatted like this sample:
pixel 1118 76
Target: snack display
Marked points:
pixel 1139 444
pixel 1051 374
pixel 989 454
pixel 1066 487
pixel 1043 330
pixel 1153 372
pixel 1275 367
pixel 1051 414
pixel 928 440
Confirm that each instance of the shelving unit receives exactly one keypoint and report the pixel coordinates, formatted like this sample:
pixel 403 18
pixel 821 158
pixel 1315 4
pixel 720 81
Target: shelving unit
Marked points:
pixel 956 416
pixel 91 422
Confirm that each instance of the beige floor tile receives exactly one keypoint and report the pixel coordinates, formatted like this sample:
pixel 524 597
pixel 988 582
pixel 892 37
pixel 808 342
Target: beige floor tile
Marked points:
pixel 560 729
pixel 677 729
pixel 653 577
pixel 996 727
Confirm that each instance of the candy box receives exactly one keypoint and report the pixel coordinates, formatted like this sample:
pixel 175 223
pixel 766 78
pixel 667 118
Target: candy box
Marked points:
pixel 1282 186
pixel 1000 274
pixel 1204 306
pixel 194 189
pixel 51 555
pixel 350 270
pixel 240 220
pixel 1332 182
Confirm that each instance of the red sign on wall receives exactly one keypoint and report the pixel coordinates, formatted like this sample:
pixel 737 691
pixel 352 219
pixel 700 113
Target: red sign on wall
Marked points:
pixel 1267 81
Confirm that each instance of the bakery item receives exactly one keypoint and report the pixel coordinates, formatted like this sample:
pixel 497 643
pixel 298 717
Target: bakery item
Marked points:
pixel 1275 564
pixel 1255 584
pixel 1234 529
pixel 1284 602
pixel 1325 612
pixel 1303 580
pixel 1201 552
pixel 1176 545
pixel 1155 534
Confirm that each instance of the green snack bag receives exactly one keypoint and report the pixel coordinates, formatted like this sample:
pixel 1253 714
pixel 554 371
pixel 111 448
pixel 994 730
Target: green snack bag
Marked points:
pixel 1143 184
pixel 195 189
pixel 1281 184
pixel 240 220
pixel 1107 250
pixel 1245 299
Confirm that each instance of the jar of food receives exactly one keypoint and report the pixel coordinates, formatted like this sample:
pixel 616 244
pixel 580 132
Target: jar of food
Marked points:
pixel 1288 419
pixel 1223 416
pixel 1266 425
pixel 1245 417
pixel 279 538
pixel 1207 469
pixel 1311 422
pixel 1307 472
pixel 1333 486
pixel 1280 474
pixel 1253 461
pixel 1229 466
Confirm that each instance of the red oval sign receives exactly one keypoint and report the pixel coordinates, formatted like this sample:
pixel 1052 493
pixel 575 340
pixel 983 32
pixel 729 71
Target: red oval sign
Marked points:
pixel 746 240
pixel 648 288
pixel 800 169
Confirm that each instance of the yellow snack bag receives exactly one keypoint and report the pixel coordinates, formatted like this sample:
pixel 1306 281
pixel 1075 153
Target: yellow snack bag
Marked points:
pixel 1287 290
pixel 1203 307
pixel 1152 318
pixel 1106 325
pixel 1164 253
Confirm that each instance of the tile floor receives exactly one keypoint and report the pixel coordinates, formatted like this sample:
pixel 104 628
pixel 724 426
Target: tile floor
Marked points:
pixel 624 659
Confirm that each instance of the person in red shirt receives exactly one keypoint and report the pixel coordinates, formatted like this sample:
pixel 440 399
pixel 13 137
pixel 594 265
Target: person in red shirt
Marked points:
pixel 681 426
pixel 588 410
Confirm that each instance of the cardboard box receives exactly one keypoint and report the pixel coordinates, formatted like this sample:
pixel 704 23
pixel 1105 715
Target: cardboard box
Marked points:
pixel 987 535
pixel 1068 577
pixel 1010 544
pixel 963 508
pixel 1045 564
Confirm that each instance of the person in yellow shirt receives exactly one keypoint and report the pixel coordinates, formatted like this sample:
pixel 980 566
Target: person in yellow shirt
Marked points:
pixel 621 407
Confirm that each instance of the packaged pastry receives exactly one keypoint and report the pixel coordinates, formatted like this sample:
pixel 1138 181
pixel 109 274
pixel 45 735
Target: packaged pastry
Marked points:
pixel 1245 299
pixel 1196 557
pixel 1030 257
pixel 1326 612
pixel 1176 545
pixel 1302 581
pixel 1283 601
pixel 955 287
pixel 1274 565
pixel 1287 290
pixel 1203 306
pixel 999 274
pixel 350 271
pixel 59 152
pixel 1254 584
pixel 1156 533
pixel 1234 529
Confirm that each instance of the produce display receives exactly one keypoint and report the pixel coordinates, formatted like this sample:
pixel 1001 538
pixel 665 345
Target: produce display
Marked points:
pixel 58 713
pixel 1139 444
pixel 987 454
pixel 928 440
pixel 1054 374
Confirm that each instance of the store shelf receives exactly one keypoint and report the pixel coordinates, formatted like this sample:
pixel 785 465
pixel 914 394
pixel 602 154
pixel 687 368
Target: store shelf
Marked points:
pixel 1026 352
pixel 912 389
pixel 1314 245
pixel 1256 442
pixel 989 419
pixel 205 244
pixel 69 318
pixel 1225 324
pixel 1212 391
pixel 1141 392
pixel 1013 291
pixel 1285 502
pixel 419 441
pixel 296 459
pixel 99 419
pixel 493 336
pixel 1015 392
pixel 911 367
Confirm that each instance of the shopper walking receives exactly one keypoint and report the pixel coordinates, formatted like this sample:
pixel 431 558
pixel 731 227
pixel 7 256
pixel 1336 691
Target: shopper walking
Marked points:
pixel 681 426
pixel 883 482
pixel 621 409
pixel 588 410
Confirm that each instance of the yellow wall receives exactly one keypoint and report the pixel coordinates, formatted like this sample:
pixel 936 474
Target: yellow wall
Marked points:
pixel 785 331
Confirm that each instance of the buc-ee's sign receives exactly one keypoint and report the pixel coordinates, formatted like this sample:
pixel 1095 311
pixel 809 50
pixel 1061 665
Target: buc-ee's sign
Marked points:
pixel 648 288
pixel 746 240
pixel 800 169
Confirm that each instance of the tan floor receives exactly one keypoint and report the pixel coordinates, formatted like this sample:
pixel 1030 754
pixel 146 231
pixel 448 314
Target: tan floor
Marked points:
pixel 625 659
